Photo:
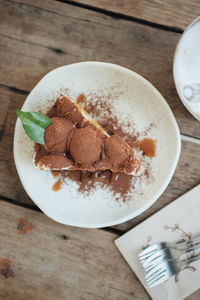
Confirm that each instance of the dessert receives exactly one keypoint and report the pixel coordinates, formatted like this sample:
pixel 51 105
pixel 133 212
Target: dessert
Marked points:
pixel 76 142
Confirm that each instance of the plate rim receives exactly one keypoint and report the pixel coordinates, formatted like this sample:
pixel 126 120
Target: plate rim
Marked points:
pixel 175 72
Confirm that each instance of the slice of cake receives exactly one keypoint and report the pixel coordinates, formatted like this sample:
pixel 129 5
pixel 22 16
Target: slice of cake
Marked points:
pixel 76 142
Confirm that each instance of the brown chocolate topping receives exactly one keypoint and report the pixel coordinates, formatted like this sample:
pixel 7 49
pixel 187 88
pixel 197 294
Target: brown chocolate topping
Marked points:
pixel 56 135
pixel 85 146
pixel 121 184
pixel 73 142
pixel 57 186
pixel 148 146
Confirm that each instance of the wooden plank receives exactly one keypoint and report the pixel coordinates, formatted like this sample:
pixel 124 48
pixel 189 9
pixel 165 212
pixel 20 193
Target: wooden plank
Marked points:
pixel 9 178
pixel 31 46
pixel 5 98
pixel 62 262
pixel 175 14
pixel 186 175
pixel 194 296
pixel 54 261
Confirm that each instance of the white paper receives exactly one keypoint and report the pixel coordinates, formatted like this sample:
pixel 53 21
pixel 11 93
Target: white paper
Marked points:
pixel 184 213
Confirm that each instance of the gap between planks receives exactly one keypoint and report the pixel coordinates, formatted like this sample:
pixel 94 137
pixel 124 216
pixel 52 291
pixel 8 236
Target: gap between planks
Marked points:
pixel 117 15
pixel 14 89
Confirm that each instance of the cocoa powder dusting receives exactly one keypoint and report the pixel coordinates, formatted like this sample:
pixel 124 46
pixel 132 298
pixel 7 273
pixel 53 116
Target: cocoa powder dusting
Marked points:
pixel 110 123
pixel 119 183
pixel 112 127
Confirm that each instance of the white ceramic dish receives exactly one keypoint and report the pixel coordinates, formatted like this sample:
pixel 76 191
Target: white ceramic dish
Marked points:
pixel 186 68
pixel 137 100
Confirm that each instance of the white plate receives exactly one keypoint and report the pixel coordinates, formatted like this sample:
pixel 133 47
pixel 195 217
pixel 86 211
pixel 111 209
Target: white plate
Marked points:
pixel 138 101
pixel 186 68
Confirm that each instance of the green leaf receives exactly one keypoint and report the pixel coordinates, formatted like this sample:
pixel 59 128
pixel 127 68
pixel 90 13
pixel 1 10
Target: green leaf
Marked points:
pixel 35 125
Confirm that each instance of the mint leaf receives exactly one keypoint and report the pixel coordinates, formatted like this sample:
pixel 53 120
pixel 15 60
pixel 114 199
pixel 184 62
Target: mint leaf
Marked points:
pixel 35 125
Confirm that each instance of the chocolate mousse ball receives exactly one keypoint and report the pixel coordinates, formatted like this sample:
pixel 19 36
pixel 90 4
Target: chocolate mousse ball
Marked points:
pixel 116 149
pixel 57 134
pixel 68 109
pixel 85 146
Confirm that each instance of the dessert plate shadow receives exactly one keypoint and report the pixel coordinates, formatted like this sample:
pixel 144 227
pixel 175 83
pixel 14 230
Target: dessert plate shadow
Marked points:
pixel 134 99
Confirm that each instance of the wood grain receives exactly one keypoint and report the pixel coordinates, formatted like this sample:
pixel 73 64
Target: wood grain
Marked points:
pixel 5 98
pixel 54 261
pixel 31 46
pixel 9 179
pixel 175 14
pixel 194 296
pixel 186 175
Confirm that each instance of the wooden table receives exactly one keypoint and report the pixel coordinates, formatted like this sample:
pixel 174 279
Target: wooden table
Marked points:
pixel 54 261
